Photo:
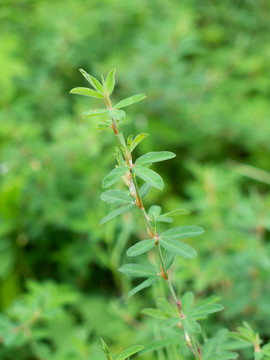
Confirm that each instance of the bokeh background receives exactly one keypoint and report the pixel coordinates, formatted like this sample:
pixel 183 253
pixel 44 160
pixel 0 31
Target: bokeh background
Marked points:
pixel 204 66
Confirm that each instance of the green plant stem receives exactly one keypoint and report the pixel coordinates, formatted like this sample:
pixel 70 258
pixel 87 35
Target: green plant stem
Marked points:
pixel 162 263
pixel 154 236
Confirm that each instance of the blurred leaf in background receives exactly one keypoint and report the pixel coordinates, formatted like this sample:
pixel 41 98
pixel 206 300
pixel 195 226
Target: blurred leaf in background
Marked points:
pixel 204 68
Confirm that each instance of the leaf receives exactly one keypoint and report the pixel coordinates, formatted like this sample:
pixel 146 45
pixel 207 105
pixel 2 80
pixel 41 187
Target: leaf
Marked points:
pixel 266 349
pixel 205 310
pixel 110 81
pixel 137 270
pixel 258 355
pixel 137 140
pixel 183 232
pixel 117 114
pixel 155 313
pixel 154 211
pixel 97 112
pixel 103 126
pixel 171 322
pixel 129 101
pixel 116 212
pixel 154 157
pixel 9 336
pixel 141 247
pixel 246 333
pixel 119 157
pixel 157 344
pixel 86 92
pixel 116 197
pixel 166 306
pixel 148 282
pixel 169 260
pixel 177 247
pixel 129 141
pixel 103 81
pixel 241 337
pixel 131 351
pixel 187 301
pixel 209 300
pixel 190 325
pixel 224 356
pixel 105 349
pixel 122 140
pixel 114 176
pixel 144 190
pixel 149 176
pixel 177 212
pixel 93 81
pixel 164 218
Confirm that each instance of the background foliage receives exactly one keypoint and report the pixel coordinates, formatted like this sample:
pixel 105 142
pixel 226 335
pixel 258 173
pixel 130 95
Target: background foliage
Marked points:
pixel 204 67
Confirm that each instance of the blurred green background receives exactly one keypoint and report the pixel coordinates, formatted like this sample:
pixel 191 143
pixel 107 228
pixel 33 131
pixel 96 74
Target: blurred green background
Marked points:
pixel 204 66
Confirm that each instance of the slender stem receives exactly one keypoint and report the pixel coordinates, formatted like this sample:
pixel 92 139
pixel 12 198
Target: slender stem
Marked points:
pixel 162 263
pixel 164 274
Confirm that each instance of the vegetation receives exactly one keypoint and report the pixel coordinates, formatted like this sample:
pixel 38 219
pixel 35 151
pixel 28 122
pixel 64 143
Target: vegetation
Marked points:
pixel 204 70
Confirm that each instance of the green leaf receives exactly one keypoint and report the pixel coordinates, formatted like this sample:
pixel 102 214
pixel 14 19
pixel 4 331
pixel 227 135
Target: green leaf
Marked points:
pixel 103 126
pixel 146 283
pixel 103 81
pixel 154 157
pixel 166 306
pixel 93 81
pixel 115 213
pixel 144 190
pixel 131 351
pixel 149 176
pixel 117 114
pixel 171 322
pixel 154 211
pixel 204 310
pixel 105 349
pixel 137 140
pixel 86 92
pixel 155 313
pixel 209 300
pixel 137 270
pixel 246 333
pixel 169 259
pixel 164 218
pixel 241 337
pixel 183 232
pixel 129 141
pixel 116 197
pixel 190 325
pixel 266 349
pixel 177 212
pixel 141 247
pixel 224 356
pixel 258 355
pixel 97 112
pixel 9 336
pixel 129 101
pixel 157 344
pixel 122 140
pixel 110 81
pixel 187 301
pixel 119 157
pixel 114 176
pixel 177 247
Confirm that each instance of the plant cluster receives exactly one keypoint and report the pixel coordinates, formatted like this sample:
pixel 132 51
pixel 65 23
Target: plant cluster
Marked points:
pixel 181 319
pixel 203 66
